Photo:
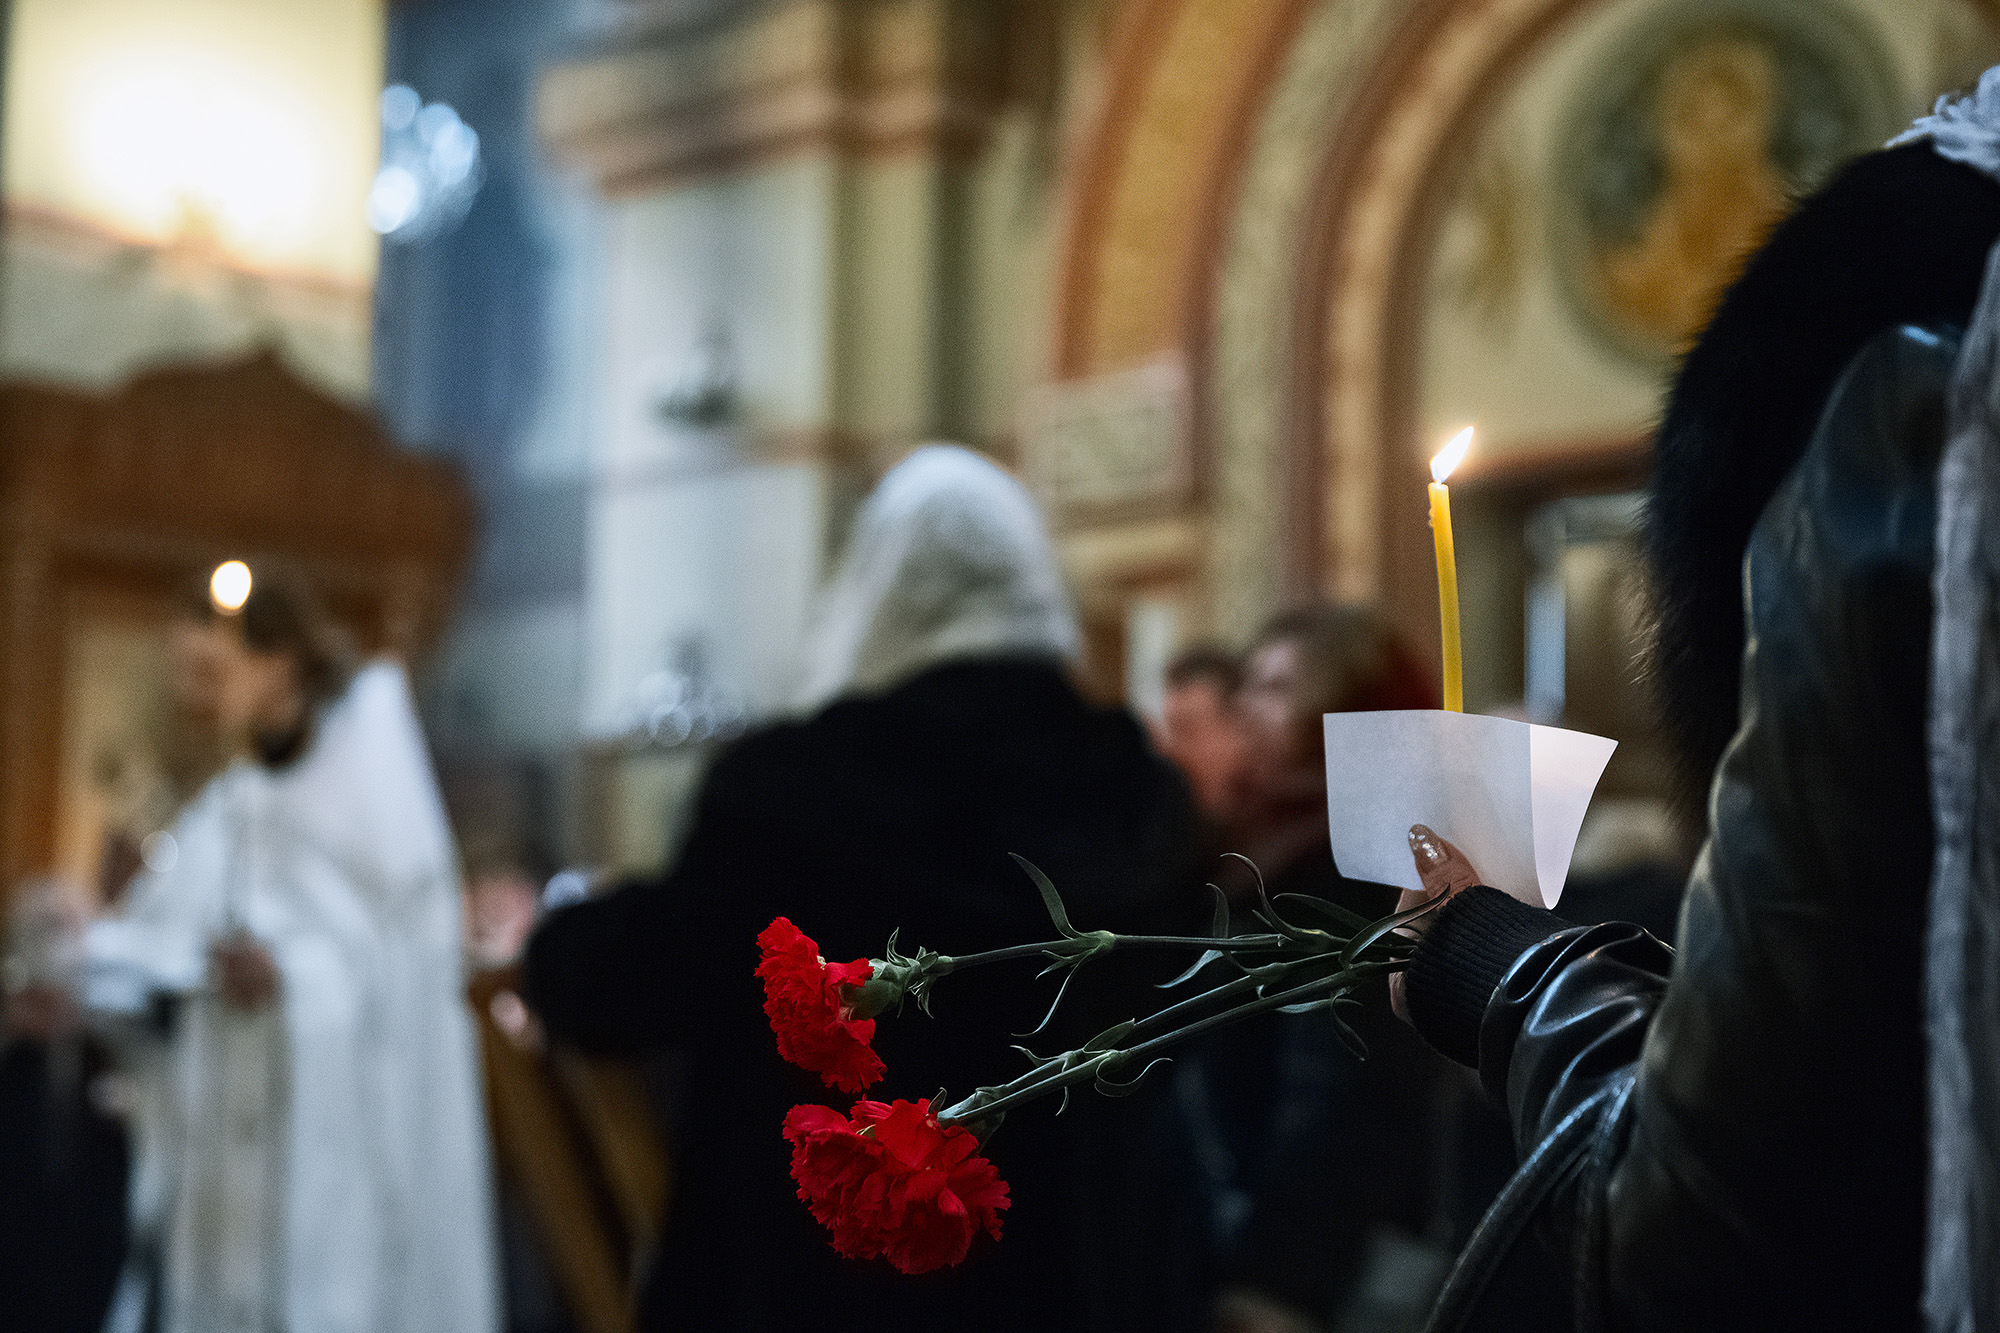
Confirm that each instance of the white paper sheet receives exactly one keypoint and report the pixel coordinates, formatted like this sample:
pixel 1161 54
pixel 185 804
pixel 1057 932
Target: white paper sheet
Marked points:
pixel 1510 794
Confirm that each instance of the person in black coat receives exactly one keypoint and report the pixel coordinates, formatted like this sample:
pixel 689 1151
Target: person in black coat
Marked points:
pixel 1748 1139
pixel 947 734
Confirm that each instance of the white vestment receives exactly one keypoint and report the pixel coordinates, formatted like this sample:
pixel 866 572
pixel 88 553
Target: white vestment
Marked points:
pixel 320 1166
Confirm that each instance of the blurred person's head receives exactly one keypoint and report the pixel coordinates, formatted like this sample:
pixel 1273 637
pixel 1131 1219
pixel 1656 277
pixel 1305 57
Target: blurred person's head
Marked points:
pixel 949 560
pixel 42 964
pixel 1312 661
pixel 266 668
pixel 197 662
pixel 1198 730
pixel 504 873
pixel 502 900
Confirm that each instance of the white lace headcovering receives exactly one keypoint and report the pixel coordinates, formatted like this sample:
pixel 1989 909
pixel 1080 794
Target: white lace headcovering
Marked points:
pixel 1965 129
pixel 949 559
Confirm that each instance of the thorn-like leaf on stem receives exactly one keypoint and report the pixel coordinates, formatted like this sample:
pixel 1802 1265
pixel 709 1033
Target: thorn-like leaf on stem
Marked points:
pixel 1050 898
pixel 1054 1005
pixel 1111 1087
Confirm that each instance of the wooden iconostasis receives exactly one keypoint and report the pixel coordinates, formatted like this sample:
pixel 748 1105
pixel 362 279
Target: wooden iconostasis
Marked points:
pixel 110 507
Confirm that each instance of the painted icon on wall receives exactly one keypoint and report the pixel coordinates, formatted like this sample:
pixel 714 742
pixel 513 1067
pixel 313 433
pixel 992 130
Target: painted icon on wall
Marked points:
pixel 1695 134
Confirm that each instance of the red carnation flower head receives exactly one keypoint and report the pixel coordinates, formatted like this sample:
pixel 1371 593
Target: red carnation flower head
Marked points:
pixel 811 1007
pixel 892 1181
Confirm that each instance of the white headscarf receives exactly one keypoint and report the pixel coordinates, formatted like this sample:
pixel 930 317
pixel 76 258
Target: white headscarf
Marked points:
pixel 1963 129
pixel 949 559
pixel 1962 963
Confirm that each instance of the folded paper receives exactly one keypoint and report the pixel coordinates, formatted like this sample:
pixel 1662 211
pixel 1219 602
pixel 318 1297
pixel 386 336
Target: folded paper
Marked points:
pixel 1510 794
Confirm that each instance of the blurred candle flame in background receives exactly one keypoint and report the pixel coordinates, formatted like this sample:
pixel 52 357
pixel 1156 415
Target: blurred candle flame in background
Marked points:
pixel 244 131
pixel 229 585
pixel 167 140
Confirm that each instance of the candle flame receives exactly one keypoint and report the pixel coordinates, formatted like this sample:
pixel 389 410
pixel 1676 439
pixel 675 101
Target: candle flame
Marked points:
pixel 229 586
pixel 1451 455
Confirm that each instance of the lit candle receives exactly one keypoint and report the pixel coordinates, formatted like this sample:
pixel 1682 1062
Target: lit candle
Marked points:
pixel 1454 666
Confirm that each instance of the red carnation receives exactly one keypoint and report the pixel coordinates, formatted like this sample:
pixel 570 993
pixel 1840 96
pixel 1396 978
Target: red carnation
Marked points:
pixel 892 1181
pixel 813 1020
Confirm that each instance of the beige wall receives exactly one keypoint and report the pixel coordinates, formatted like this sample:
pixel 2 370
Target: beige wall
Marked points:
pixel 184 179
pixel 260 114
pixel 835 186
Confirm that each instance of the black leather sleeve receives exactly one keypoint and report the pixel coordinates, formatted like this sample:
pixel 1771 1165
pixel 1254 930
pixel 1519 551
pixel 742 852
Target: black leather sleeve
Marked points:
pixel 1545 1011
pixel 1469 951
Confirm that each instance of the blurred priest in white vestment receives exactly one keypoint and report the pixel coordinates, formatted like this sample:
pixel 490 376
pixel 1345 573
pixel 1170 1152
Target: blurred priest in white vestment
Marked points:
pixel 311 1152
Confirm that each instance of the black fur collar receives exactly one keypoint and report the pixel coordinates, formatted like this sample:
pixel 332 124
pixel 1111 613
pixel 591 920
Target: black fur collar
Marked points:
pixel 1899 237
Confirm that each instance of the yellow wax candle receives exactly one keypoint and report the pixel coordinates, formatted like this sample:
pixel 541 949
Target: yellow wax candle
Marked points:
pixel 1447 563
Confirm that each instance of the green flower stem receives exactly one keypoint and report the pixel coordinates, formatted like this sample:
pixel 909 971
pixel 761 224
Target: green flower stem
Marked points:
pixel 1067 1070
pixel 1360 971
pixel 1345 979
pixel 1101 940
pixel 1228 990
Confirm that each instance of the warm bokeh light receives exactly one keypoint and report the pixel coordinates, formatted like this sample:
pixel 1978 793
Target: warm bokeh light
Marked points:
pixel 176 139
pixel 1451 456
pixel 229 585
pixel 246 126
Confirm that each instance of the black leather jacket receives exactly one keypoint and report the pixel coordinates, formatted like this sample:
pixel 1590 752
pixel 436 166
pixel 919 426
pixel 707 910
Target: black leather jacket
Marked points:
pixel 1767 1171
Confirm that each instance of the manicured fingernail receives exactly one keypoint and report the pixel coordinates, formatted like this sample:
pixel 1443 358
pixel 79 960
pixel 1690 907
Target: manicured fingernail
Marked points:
pixel 1425 844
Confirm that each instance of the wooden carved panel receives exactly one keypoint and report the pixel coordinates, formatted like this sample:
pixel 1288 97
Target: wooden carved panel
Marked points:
pixel 123 498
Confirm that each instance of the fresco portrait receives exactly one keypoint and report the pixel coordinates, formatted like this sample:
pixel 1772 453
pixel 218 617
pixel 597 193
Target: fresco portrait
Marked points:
pixel 1692 138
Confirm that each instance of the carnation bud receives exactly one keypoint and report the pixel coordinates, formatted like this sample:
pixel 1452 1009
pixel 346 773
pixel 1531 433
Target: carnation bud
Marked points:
pixel 895 979
pixel 873 996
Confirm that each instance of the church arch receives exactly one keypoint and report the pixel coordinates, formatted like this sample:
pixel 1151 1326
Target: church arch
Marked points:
pixel 1283 263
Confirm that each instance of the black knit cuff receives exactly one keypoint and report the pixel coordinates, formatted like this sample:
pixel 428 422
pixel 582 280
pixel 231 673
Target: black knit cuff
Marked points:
pixel 1465 955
